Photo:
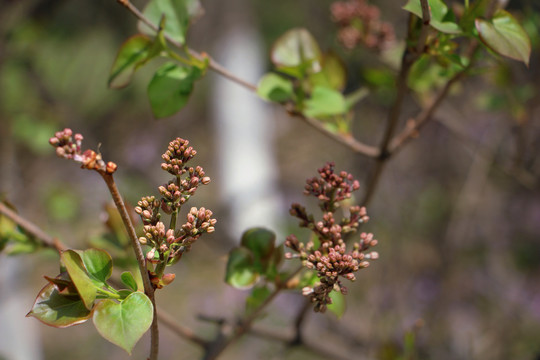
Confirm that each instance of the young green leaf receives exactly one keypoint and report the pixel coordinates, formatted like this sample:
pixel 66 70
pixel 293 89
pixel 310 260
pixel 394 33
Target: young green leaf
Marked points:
pixel 439 12
pixel 338 305
pixel 273 87
pixel 296 53
pixel 132 54
pixel 98 263
pixel 332 75
pixel 240 272
pixel 128 280
pixel 124 323
pixel 178 14
pixel 55 309
pixel 325 102
pixel 260 241
pixel 170 88
pixel 257 297
pixel 80 277
pixel 504 35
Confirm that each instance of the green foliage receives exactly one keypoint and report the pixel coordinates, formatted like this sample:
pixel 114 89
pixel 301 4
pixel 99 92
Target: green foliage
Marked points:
pixel 504 35
pixel 296 53
pixel 177 13
pixel 325 102
pixel 126 322
pixel 132 55
pixel 256 257
pixel 170 88
pixel 13 241
pixel 338 305
pixel 120 316
pixel 273 87
pixel 441 17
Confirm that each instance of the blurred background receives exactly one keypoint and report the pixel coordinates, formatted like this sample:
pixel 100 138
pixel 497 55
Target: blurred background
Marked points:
pixel 457 213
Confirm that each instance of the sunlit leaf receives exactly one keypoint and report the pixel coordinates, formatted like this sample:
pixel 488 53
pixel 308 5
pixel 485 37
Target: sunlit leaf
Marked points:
pixel 128 280
pixel 80 277
pixel 132 54
pixel 240 272
pixel 338 305
pixel 98 263
pixel 178 16
pixel 333 73
pixel 439 12
pixel 276 88
pixel 55 309
pixel 170 88
pixel 504 35
pixel 325 102
pixel 296 53
pixel 124 323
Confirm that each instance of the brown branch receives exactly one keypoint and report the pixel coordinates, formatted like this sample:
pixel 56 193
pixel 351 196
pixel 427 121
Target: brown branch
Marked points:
pixel 148 288
pixel 244 325
pixel 182 331
pixel 346 140
pixel 426 18
pixel 32 229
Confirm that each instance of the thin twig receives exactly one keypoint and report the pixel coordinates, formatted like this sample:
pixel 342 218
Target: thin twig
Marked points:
pixel 148 288
pixel 32 229
pixel 244 325
pixel 426 18
pixel 344 139
pixel 182 331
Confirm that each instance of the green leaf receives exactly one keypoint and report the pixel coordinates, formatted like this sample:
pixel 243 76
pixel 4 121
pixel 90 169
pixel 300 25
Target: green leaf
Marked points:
pixel 261 242
pixel 439 12
pixel 332 75
pixel 356 96
pixel 55 309
pixel 325 102
pixel 504 35
pixel 128 280
pixel 258 295
pixel 178 14
pixel 124 323
pixel 338 304
pixel 98 263
pixel 133 53
pixel 296 53
pixel 170 88
pixel 240 272
pixel 276 88
pixel 80 277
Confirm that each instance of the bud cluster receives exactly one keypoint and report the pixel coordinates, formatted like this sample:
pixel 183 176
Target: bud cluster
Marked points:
pixel 330 259
pixel 68 146
pixel 360 23
pixel 168 245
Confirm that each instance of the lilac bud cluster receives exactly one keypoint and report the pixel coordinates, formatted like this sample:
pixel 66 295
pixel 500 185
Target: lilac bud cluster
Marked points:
pixel 168 245
pixel 331 188
pixel 68 146
pixel 360 23
pixel 330 259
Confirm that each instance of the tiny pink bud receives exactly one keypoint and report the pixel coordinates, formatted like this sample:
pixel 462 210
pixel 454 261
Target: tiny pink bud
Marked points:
pixel 205 180
pixel 168 278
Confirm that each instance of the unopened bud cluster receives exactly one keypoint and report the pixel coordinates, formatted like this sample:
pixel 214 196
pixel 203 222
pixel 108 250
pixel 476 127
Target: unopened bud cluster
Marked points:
pixel 68 146
pixel 360 23
pixel 167 245
pixel 330 259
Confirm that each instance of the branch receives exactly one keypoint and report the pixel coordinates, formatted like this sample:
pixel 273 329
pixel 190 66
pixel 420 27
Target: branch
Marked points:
pixel 182 331
pixel 346 140
pixel 426 18
pixel 32 229
pixel 148 288
pixel 244 325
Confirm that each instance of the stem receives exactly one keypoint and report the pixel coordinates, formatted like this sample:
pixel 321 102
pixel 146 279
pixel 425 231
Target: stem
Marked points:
pixel 148 288
pixel 32 229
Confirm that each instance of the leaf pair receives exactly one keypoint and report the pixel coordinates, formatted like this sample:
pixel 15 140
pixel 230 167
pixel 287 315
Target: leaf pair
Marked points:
pixel 256 256
pixel 71 298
